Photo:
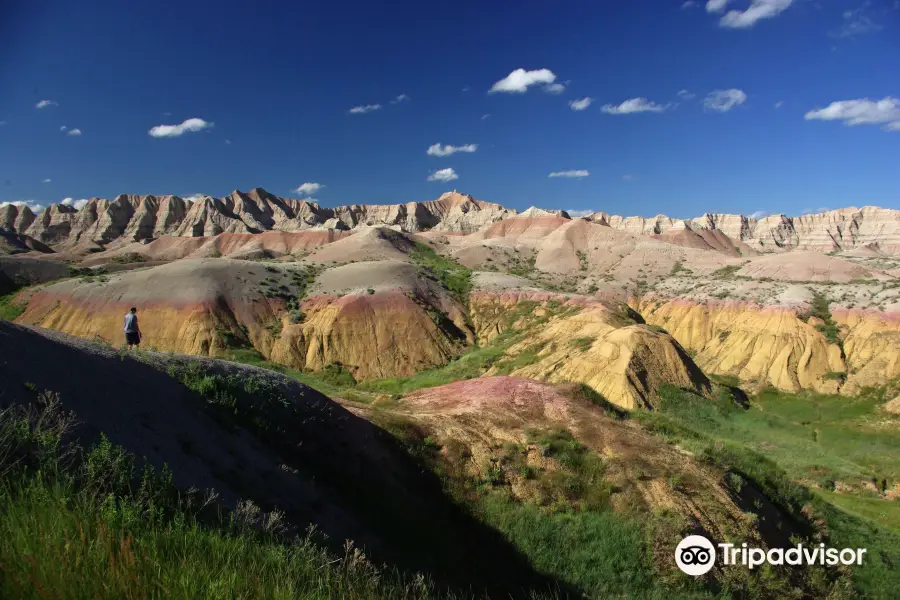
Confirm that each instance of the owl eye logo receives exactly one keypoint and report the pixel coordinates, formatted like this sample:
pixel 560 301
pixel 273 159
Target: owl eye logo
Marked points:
pixel 695 555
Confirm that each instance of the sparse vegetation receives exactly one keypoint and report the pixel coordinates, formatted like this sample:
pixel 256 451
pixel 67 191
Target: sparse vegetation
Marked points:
pixel 128 258
pixel 522 268
pixel 726 272
pixel 456 278
pixel 582 343
pixel 9 308
pixel 527 356
pixel 819 308
pixel 793 448
pixel 582 260
pixel 679 268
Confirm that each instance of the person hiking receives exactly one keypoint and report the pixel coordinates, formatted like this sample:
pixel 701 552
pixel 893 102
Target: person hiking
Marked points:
pixel 132 331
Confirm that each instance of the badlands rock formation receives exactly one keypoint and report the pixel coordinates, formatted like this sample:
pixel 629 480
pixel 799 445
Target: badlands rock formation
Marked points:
pixel 587 341
pixel 203 306
pixel 735 292
pixel 841 229
pixel 131 218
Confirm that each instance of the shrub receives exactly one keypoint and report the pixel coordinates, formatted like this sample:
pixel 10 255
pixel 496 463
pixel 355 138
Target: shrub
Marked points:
pixel 726 272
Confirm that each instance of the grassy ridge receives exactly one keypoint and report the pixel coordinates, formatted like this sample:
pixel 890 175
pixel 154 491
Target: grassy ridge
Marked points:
pixel 92 525
pixel 9 309
pixel 456 278
pixel 784 443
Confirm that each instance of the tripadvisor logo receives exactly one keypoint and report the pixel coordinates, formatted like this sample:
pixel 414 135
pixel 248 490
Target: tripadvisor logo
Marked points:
pixel 696 555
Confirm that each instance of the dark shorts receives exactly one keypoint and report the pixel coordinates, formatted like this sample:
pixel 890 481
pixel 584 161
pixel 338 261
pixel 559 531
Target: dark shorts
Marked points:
pixel 133 338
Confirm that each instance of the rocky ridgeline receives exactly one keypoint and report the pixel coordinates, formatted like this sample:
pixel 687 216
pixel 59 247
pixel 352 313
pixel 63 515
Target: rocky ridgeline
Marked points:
pixel 132 218
pixel 835 230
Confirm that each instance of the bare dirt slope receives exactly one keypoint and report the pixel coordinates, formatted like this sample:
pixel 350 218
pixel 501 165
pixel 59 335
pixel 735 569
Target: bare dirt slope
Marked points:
pixel 17 271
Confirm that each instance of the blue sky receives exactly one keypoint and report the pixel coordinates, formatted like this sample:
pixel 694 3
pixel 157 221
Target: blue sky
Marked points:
pixel 273 84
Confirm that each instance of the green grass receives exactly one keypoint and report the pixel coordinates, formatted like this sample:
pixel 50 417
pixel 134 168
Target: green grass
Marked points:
pixel 567 529
pixel 128 257
pixel 527 356
pixel 333 381
pixel 794 447
pixel 9 309
pixel 582 343
pixel 55 543
pixel 820 309
pixel 468 366
pixel 456 278
pixel 678 268
pixel 601 553
pixel 726 272
pixel 91 525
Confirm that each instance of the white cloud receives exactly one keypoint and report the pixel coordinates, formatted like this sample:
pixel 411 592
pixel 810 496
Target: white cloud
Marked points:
pixel 580 104
pixel 779 104
pixel 714 6
pixel 74 132
pixel 2 123
pixel 555 88
pixel 364 108
pixel 487 116
pixel 760 214
pixel 76 204
pixel 758 10
pixel 164 131
pixel 686 95
pixel 628 177
pixel 308 188
pixel 688 4
pixel 861 112
pixel 46 103
pixel 635 105
pixel 856 23
pixel 32 204
pixel 400 98
pixel 228 141
pixel 520 80
pixel 48 180
pixel 860 25
pixel 724 100
pixel 577 214
pixel 466 88
pixel 569 174
pixel 63 128
pixel 191 198
pixel 447 174
pixel 447 150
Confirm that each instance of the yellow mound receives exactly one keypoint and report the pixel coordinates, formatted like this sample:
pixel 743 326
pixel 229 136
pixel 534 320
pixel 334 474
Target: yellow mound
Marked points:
pixel 589 342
